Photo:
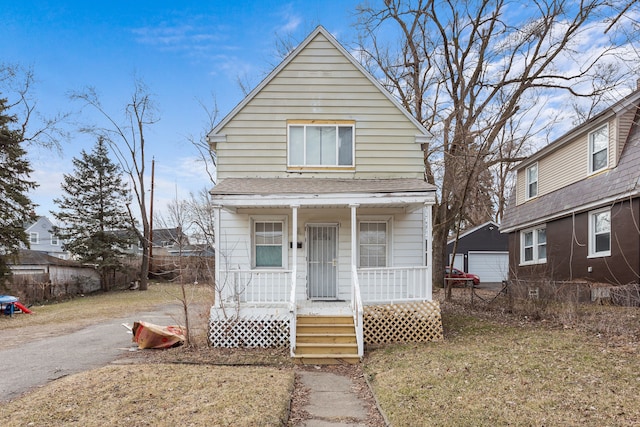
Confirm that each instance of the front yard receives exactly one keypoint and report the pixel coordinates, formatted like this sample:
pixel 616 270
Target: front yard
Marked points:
pixel 577 367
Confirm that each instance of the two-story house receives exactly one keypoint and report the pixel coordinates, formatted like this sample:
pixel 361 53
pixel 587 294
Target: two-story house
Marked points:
pixel 42 238
pixel 575 214
pixel 322 211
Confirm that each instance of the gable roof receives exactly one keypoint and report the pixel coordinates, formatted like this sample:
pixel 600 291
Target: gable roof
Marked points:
pixel 602 189
pixel 628 102
pixel 473 230
pixel 215 136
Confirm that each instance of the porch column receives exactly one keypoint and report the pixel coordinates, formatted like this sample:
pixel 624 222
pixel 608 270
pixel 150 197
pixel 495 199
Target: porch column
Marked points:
pixel 216 253
pixel 354 236
pixel 428 237
pixel 294 241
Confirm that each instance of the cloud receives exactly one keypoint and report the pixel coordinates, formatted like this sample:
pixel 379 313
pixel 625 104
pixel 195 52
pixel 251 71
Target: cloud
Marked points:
pixel 192 39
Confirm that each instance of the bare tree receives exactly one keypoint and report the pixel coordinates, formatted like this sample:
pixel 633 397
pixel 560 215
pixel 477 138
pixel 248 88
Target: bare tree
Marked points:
pixel 200 143
pixel 17 85
pixel 127 140
pixel 465 69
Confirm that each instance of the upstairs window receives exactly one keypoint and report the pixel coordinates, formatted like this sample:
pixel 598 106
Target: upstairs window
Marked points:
pixel 34 238
pixel 532 181
pixel 600 233
pixel 599 149
pixel 533 246
pixel 54 240
pixel 321 145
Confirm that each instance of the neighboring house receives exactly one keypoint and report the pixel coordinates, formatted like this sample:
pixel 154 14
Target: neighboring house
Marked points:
pixel 483 251
pixel 575 214
pixel 195 250
pixel 321 208
pixel 167 241
pixel 64 276
pixel 42 239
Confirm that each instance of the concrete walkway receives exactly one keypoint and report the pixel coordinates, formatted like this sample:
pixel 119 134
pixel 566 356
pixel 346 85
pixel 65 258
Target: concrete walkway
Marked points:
pixel 335 400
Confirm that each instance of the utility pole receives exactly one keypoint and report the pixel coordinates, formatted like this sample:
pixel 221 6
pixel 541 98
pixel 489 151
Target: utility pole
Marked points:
pixel 153 167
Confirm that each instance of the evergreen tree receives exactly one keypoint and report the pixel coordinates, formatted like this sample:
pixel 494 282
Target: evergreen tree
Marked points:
pixel 16 208
pixel 95 222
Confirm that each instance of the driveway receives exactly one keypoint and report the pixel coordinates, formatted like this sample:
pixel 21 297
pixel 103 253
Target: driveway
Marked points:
pixel 37 362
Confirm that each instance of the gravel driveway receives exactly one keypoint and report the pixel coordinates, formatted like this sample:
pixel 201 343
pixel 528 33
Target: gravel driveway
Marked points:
pixel 44 359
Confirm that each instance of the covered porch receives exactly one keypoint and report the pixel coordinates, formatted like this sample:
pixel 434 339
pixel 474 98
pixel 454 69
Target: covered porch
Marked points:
pixel 362 255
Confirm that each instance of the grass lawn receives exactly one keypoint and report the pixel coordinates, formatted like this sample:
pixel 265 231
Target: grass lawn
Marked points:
pixel 488 373
pixel 577 368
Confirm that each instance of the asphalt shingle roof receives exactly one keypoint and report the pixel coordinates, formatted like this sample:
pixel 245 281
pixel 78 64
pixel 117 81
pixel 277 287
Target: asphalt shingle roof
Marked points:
pixel 273 186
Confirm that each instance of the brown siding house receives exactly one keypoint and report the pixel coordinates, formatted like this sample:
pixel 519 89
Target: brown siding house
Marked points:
pixel 588 227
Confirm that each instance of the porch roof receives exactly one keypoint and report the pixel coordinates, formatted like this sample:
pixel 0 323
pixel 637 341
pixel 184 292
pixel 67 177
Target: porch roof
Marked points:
pixel 322 192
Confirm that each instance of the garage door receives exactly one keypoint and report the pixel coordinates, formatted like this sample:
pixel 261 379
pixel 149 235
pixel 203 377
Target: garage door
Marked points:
pixel 490 266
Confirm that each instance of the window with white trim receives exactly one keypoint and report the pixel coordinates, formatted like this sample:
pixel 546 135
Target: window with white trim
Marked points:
pixel 54 240
pixel 599 149
pixel 268 244
pixel 600 233
pixel 34 238
pixel 533 244
pixel 532 181
pixel 373 243
pixel 323 145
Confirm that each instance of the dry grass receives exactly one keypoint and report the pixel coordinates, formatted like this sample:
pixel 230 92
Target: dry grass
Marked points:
pixel 158 395
pixel 578 366
pixel 51 319
pixel 180 386
pixel 493 369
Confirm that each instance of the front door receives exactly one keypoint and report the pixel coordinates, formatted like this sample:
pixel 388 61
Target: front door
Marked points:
pixel 323 261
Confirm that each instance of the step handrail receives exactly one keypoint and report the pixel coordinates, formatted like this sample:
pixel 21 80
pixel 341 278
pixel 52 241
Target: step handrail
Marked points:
pixel 357 309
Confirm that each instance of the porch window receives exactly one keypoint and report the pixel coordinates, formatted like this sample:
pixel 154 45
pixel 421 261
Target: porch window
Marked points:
pixel 532 181
pixel 599 149
pixel 600 233
pixel 321 144
pixel 534 246
pixel 268 248
pixel 373 244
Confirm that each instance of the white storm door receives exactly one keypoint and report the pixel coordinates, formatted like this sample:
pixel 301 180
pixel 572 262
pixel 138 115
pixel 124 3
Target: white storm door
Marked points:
pixel 323 261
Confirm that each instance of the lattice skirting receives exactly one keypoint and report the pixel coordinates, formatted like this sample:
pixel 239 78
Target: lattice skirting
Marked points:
pixel 406 322
pixel 253 329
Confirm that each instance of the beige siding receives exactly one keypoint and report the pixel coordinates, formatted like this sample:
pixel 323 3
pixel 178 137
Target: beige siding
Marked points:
pixel 624 126
pixel 566 165
pixel 320 84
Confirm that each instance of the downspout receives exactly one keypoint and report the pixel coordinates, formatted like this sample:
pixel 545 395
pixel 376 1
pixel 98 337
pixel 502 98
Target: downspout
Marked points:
pixel 216 253
pixel 428 238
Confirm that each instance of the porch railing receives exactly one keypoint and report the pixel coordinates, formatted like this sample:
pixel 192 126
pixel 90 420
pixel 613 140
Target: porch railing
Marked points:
pixel 258 286
pixel 356 307
pixel 389 284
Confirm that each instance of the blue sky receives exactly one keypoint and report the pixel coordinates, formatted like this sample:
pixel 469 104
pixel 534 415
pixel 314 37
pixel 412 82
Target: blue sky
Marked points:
pixel 183 50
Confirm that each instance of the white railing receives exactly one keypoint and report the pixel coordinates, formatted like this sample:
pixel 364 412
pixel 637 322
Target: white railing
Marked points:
pixel 356 307
pixel 389 284
pixel 257 286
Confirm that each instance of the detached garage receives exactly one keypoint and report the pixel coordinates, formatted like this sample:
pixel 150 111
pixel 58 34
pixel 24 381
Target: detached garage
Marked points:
pixel 483 251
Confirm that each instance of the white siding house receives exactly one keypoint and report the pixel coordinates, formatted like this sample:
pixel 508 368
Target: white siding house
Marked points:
pixel 321 207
